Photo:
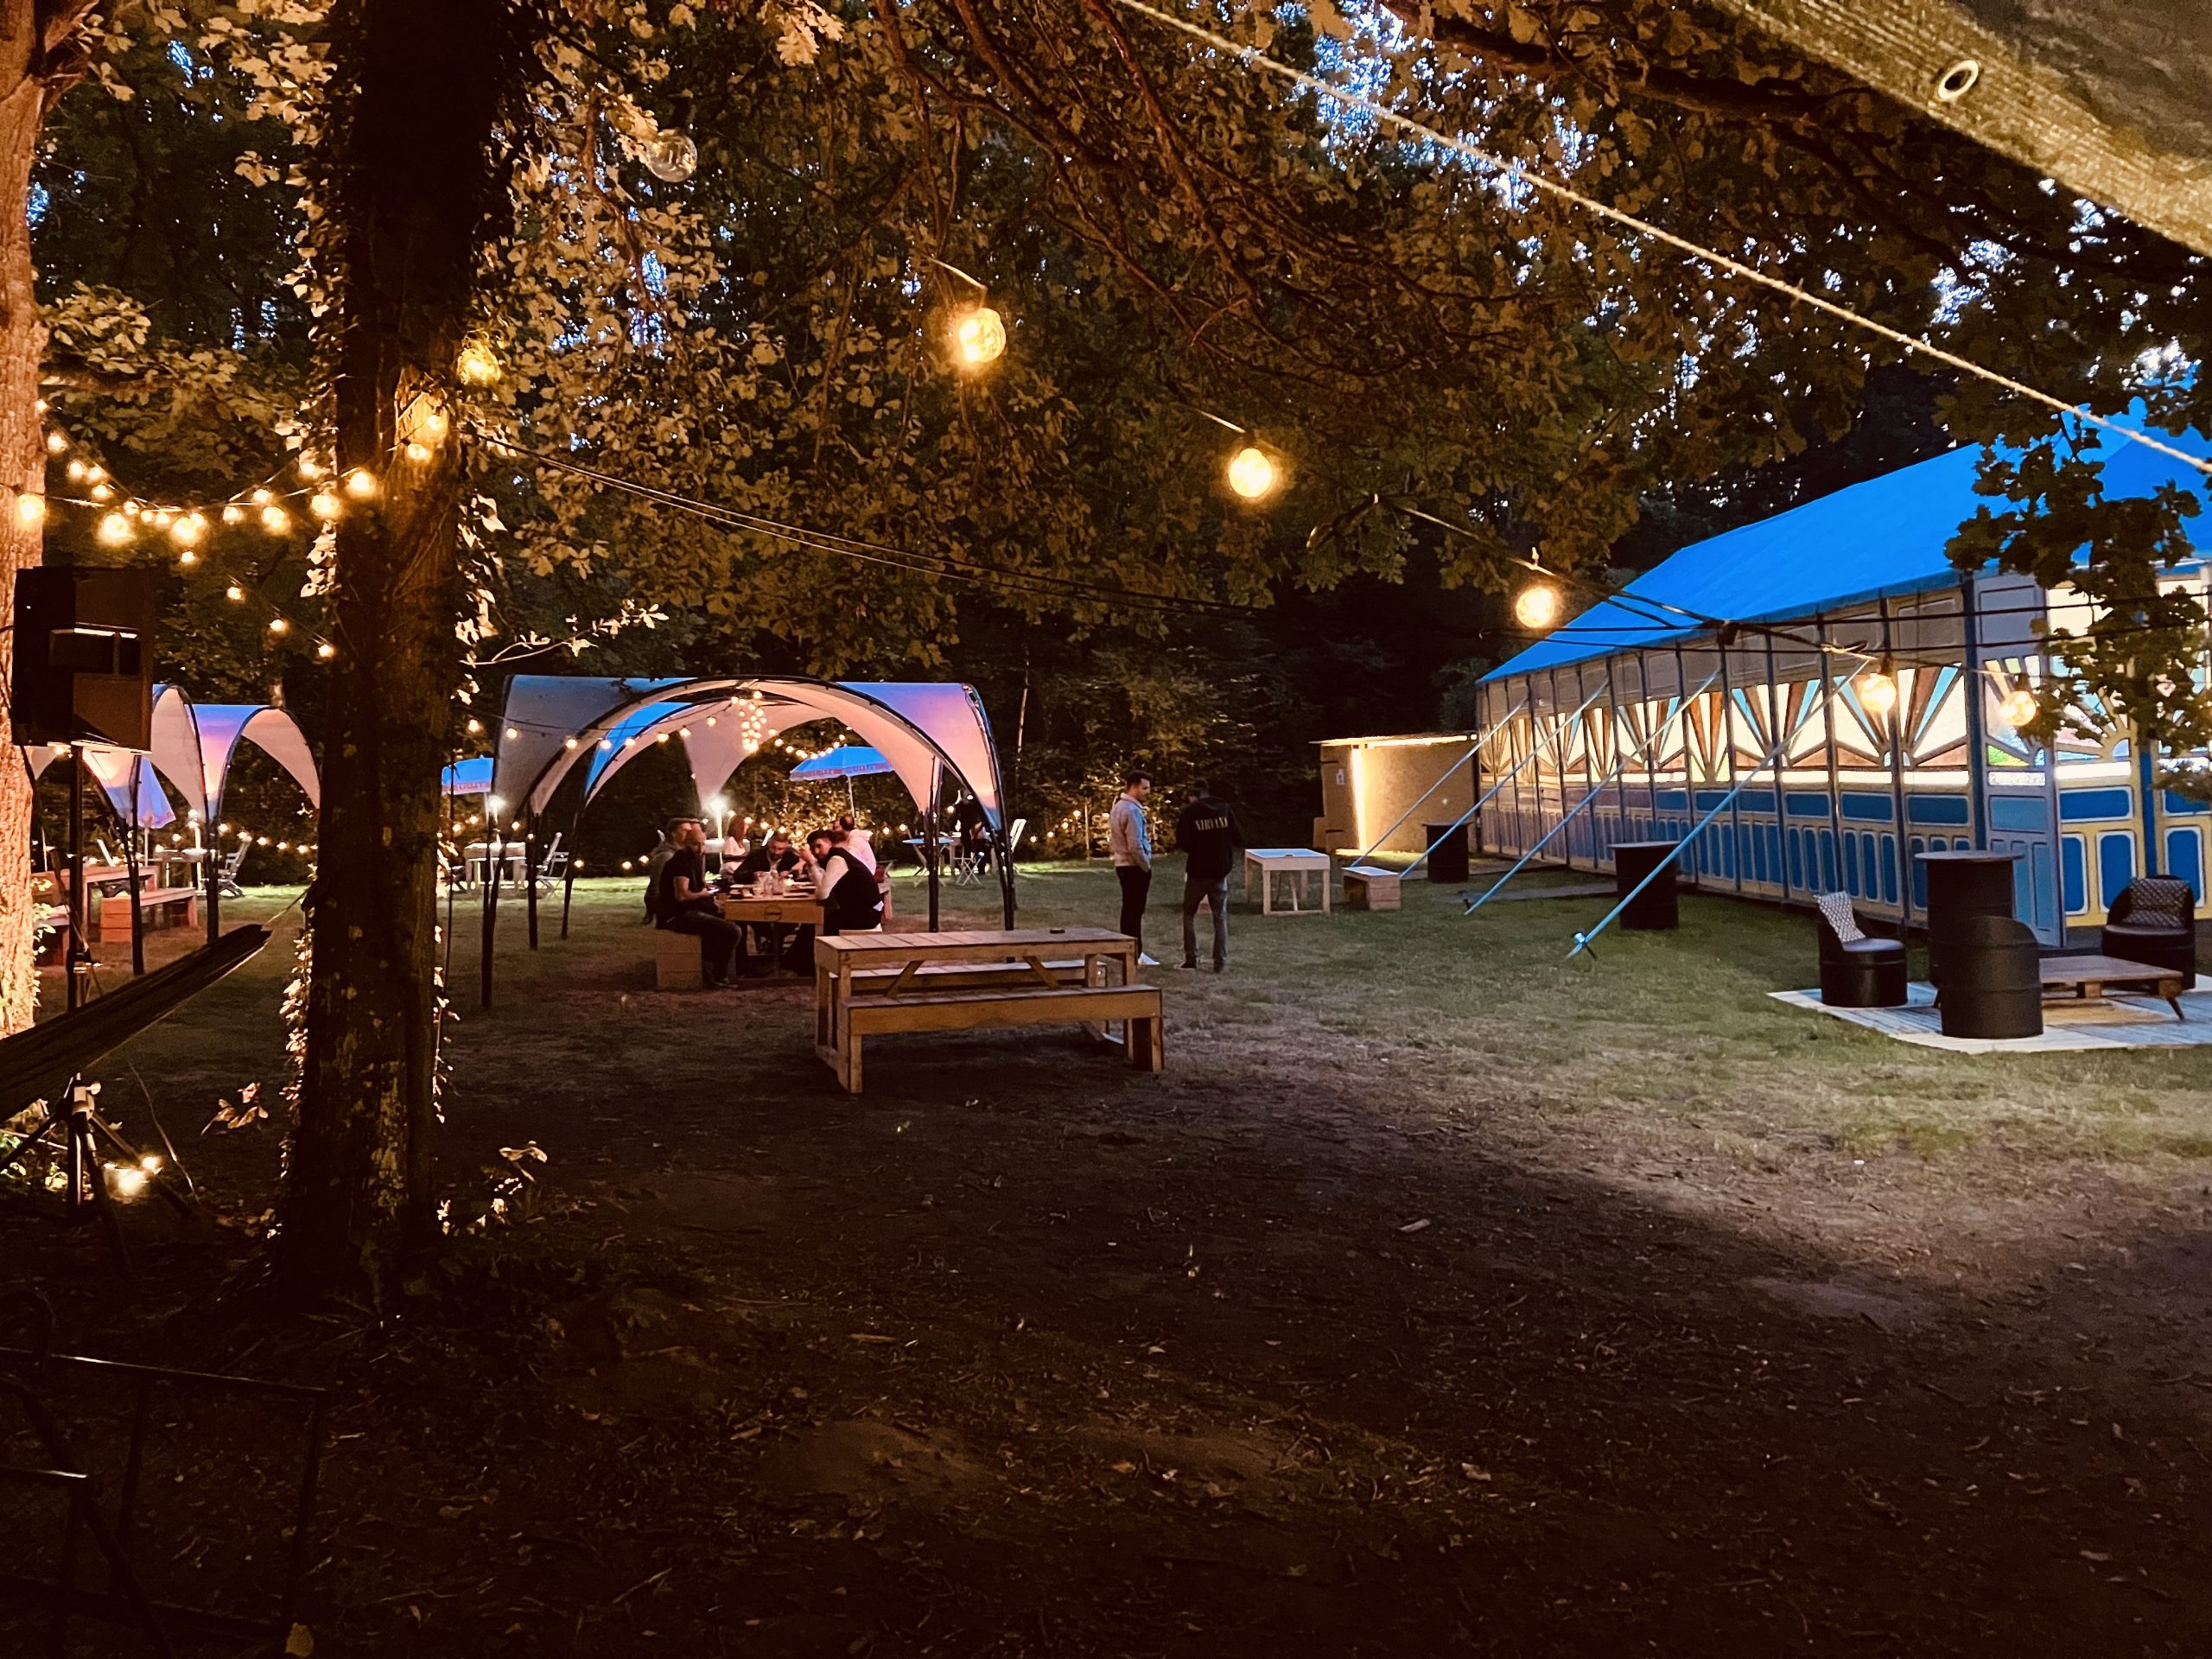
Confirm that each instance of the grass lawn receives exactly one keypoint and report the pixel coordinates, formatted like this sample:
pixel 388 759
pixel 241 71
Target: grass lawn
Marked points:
pixel 1443 1295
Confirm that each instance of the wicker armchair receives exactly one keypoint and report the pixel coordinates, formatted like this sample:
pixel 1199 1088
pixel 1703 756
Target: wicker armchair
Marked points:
pixel 1856 971
pixel 2154 921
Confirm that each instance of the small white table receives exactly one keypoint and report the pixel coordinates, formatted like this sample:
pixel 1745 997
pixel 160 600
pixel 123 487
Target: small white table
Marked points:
pixel 1296 862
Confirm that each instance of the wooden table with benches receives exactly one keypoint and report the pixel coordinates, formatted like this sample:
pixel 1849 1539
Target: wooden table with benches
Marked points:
pixel 866 984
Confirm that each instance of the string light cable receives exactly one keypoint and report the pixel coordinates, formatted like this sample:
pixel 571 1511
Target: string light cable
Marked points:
pixel 1521 173
pixel 1033 584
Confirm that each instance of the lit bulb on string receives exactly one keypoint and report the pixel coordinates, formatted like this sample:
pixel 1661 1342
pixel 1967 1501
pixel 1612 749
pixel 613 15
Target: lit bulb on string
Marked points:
pixel 1537 607
pixel 261 498
pixel 102 492
pixel 30 509
pixel 326 651
pixel 324 505
pixel 1877 691
pixel 186 532
pixel 981 337
pixel 235 593
pixel 115 530
pixel 433 426
pixel 477 365
pixel 672 157
pixel 275 519
pixel 1252 472
pixel 56 443
pixel 2018 708
pixel 160 517
pixel 75 470
pixel 418 452
pixel 361 484
pixel 310 469
pixel 278 625
pixel 233 514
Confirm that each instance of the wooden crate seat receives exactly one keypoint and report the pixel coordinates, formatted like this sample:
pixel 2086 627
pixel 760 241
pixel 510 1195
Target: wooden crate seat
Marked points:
pixel 1368 886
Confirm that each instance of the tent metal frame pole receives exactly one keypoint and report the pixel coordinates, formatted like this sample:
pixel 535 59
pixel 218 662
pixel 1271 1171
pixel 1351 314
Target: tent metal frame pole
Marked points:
pixel 1558 747
pixel 1620 756
pixel 494 857
pixel 1780 783
pixel 1464 818
pixel 530 872
pixel 130 869
pixel 77 958
pixel 1654 757
pixel 1977 729
pixel 1835 773
pixel 569 869
pixel 929 838
pixel 1481 736
pixel 1736 859
pixel 1689 756
pixel 1582 941
pixel 1897 767
pixel 1589 753
pixel 1475 905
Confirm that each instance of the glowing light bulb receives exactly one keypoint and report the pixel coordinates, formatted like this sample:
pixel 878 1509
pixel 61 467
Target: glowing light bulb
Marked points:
pixel 326 651
pixel 160 517
pixel 261 498
pixel 278 625
pixel 234 514
pixel 671 158
pixel 568 742
pixel 308 469
pixel 30 509
pixel 75 469
pixel 188 557
pixel 1252 474
pixel 511 731
pixel 114 531
pixel 361 484
pixel 276 520
pixel 188 530
pixel 478 365
pixel 2018 708
pixel 324 505
pixel 474 726
pixel 980 336
pixel 235 593
pixel 56 443
pixel 1877 692
pixel 102 492
pixel 1536 607
pixel 435 425
pixel 418 452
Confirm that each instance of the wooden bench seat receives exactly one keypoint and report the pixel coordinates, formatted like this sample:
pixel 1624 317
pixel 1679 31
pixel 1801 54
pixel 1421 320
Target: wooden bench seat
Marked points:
pixel 676 961
pixel 166 906
pixel 1368 886
pixel 878 1014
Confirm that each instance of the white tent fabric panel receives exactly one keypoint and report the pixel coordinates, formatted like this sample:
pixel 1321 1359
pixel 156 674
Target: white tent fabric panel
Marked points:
pixel 223 726
pixel 952 717
pixel 176 746
pixel 544 711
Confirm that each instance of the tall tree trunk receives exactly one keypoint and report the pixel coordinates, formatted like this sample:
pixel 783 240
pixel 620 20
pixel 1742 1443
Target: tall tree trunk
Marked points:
pixel 412 177
pixel 39 60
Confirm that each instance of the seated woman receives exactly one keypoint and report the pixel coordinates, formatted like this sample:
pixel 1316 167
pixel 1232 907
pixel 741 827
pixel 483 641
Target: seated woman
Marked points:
pixel 851 902
pixel 684 904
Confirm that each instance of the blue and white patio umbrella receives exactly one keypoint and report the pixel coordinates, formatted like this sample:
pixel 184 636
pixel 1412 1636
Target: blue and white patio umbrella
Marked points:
pixel 854 760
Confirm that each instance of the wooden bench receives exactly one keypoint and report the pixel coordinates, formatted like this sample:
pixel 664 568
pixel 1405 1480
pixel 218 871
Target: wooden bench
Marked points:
pixel 676 961
pixel 168 906
pixel 1368 887
pixel 876 1015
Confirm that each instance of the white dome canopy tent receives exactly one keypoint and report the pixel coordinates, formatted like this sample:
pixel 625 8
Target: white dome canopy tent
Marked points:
pixel 927 731
pixel 193 746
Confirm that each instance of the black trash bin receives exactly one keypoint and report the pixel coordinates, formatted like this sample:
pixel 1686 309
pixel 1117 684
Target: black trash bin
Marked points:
pixel 1447 851
pixel 1656 908
pixel 1993 980
pixel 1962 885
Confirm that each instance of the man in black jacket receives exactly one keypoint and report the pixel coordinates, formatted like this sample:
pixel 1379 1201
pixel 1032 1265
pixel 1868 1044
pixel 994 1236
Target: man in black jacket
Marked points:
pixel 1209 835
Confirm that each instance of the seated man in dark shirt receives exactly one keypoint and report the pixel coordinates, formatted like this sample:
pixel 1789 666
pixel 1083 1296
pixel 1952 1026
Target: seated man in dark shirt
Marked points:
pixel 682 902
pixel 775 854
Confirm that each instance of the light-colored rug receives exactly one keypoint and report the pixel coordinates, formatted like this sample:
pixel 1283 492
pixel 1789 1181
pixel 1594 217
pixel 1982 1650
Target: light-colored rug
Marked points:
pixel 2117 1022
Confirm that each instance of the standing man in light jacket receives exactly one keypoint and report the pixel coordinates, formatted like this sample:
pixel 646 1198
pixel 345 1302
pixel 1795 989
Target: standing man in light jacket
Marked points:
pixel 1209 835
pixel 1128 841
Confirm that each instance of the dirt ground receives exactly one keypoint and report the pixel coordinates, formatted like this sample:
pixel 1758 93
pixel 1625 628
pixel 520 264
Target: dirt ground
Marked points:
pixel 1441 1296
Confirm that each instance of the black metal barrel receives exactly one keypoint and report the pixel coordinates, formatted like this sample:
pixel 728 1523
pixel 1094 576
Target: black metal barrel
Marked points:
pixel 1656 908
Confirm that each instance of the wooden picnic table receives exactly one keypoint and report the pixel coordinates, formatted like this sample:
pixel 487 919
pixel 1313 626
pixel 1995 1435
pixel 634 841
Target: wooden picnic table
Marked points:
pixel 777 913
pixel 837 958
pixel 1297 863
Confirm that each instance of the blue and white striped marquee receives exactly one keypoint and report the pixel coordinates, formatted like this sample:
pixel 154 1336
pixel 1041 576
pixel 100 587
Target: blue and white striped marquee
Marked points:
pixel 1634 720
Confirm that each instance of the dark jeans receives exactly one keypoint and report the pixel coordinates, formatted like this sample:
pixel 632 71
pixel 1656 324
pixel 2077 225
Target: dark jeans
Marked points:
pixel 1197 891
pixel 1136 888
pixel 717 940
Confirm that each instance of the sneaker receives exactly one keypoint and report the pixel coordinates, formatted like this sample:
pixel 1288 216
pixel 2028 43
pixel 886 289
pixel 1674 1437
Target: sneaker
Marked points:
pixel 1144 961
pixel 1219 967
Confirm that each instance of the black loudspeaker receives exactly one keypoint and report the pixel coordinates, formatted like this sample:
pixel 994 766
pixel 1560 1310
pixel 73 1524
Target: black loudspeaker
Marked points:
pixel 84 657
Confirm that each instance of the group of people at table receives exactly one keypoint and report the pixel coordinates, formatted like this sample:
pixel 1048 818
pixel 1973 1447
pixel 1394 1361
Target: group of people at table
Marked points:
pixel 838 866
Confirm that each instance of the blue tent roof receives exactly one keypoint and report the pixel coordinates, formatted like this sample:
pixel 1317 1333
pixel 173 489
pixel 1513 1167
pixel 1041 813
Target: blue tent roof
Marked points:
pixel 1876 540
